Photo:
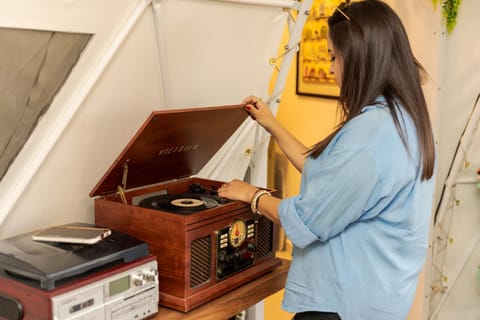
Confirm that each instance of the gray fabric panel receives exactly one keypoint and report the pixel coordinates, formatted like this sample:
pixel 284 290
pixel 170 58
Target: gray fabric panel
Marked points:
pixel 33 67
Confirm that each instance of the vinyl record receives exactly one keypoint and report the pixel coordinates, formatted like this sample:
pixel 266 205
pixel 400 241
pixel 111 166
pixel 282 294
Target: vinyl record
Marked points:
pixel 180 203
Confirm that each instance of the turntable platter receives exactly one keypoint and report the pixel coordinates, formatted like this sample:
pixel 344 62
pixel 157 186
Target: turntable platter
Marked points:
pixel 183 203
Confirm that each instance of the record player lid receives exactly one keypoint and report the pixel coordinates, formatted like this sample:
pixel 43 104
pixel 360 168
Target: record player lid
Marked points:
pixel 172 144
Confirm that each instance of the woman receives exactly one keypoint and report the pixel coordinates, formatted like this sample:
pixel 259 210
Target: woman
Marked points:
pixel 359 225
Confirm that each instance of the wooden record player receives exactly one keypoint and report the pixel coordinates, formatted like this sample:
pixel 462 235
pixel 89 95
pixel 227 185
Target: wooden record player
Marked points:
pixel 205 245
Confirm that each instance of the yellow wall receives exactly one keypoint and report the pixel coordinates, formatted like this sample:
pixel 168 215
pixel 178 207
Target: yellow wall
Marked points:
pixel 309 119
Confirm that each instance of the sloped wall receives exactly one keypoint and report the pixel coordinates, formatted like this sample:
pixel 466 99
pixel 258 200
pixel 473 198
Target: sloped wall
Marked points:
pixel 121 100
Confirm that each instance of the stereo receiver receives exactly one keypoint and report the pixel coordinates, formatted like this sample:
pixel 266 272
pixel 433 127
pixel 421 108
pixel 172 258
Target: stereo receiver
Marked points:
pixel 115 278
pixel 130 294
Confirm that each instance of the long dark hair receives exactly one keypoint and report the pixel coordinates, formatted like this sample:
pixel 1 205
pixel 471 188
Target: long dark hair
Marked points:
pixel 378 60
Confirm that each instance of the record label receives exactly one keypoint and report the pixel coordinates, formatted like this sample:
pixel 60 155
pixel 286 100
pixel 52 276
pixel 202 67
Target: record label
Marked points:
pixel 186 202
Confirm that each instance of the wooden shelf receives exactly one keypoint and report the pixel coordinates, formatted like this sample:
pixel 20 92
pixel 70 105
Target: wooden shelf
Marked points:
pixel 234 302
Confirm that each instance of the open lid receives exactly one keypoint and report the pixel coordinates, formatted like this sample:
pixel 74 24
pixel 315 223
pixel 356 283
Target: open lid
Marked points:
pixel 171 144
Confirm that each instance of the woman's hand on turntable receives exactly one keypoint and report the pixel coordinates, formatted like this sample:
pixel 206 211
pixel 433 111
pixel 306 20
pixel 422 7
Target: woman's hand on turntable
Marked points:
pixel 242 191
pixel 237 190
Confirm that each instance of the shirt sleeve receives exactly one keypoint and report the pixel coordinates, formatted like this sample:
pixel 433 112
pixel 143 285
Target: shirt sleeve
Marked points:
pixel 337 189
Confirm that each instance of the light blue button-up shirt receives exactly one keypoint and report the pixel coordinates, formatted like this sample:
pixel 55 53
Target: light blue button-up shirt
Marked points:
pixel 360 223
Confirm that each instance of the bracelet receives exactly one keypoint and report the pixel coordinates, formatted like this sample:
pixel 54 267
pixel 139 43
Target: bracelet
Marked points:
pixel 255 198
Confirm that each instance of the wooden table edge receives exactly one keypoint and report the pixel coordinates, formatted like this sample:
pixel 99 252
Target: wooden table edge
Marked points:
pixel 235 301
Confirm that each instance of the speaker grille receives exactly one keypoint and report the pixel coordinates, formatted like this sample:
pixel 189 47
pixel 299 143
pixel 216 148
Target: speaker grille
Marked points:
pixel 264 237
pixel 200 261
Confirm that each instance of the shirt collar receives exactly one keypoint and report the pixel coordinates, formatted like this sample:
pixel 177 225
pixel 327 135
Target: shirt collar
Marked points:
pixel 380 102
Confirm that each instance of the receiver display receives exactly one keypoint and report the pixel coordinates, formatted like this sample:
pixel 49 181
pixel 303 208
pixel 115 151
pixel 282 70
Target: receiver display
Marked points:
pixel 118 286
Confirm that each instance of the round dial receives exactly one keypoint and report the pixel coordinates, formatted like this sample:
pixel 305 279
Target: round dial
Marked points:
pixel 237 233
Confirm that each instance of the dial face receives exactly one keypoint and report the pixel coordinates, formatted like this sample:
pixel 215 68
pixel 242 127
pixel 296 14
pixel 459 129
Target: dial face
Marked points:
pixel 237 233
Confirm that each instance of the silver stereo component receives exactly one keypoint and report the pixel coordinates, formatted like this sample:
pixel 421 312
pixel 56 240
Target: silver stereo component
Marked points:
pixel 131 294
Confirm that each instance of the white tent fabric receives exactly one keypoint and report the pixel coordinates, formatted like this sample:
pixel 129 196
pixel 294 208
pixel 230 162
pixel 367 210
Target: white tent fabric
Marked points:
pixel 455 272
pixel 454 267
pixel 452 61
pixel 218 56
pixel 143 56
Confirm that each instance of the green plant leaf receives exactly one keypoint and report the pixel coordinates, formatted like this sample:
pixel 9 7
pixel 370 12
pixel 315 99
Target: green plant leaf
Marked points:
pixel 449 12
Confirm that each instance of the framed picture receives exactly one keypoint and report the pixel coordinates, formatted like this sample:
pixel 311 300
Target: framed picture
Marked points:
pixel 313 61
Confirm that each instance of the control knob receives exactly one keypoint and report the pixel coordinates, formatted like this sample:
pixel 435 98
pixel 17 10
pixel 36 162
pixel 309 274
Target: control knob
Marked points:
pixel 138 280
pixel 150 275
